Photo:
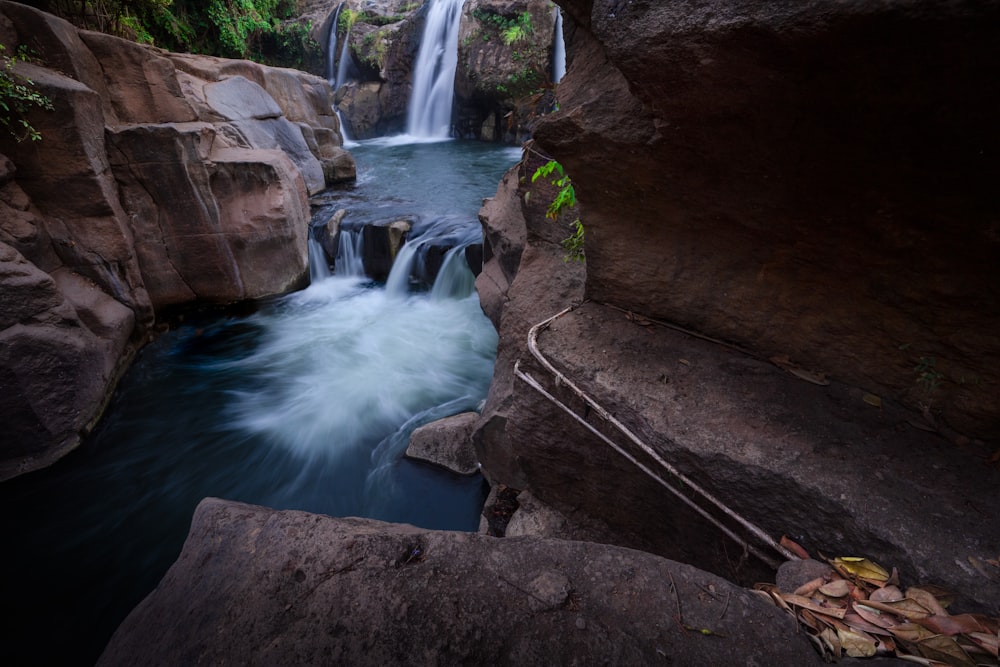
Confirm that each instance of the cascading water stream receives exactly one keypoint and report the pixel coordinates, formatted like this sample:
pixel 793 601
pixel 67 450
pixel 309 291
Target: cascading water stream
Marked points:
pixel 305 404
pixel 318 268
pixel 344 64
pixel 331 48
pixel 350 254
pixel 558 50
pixel 429 114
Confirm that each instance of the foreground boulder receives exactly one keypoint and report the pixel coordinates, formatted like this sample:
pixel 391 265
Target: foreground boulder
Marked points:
pixel 161 180
pixel 255 586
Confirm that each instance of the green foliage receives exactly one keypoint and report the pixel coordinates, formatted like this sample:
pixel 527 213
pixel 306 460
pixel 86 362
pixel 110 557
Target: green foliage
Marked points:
pixel 565 199
pixel 17 96
pixel 348 17
pixel 517 30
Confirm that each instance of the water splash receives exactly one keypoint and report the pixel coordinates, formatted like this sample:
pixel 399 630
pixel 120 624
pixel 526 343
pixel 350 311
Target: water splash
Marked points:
pixel 429 115
pixel 455 280
pixel 350 254
pixel 318 267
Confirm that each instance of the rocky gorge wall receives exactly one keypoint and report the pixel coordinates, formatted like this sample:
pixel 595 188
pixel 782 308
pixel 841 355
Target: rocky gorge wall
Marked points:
pixel 161 180
pixel 790 282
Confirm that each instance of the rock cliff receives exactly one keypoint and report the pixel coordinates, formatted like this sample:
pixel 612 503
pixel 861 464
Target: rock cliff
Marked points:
pixel 792 300
pixel 160 180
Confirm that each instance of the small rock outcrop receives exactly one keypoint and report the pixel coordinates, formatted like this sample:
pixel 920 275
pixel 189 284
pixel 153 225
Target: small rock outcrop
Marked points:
pixel 255 586
pixel 447 443
pixel 160 180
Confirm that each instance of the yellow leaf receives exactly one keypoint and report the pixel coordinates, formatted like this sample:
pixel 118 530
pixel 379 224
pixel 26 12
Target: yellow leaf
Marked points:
pixel 861 567
pixel 872 399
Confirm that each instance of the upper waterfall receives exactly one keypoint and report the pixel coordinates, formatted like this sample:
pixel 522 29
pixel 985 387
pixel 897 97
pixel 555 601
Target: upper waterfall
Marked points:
pixel 429 114
pixel 558 50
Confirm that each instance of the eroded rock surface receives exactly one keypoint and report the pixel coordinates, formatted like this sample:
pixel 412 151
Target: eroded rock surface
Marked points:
pixel 255 586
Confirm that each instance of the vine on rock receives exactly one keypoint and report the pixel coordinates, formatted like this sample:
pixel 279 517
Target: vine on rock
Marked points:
pixel 565 199
pixel 17 94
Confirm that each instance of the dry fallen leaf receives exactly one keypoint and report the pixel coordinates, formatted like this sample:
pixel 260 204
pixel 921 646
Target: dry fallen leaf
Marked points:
pixel 806 603
pixel 794 547
pixel 907 608
pixel 910 632
pixel 886 594
pixel 837 588
pixel 856 644
pixel 945 649
pixel 988 642
pixel 874 616
pixel 861 567
pixel 872 399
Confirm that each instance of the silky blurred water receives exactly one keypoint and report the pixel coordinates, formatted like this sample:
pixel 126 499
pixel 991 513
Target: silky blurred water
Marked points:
pixel 305 404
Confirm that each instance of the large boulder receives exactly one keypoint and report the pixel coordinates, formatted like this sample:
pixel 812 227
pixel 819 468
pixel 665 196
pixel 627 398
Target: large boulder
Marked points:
pixel 255 586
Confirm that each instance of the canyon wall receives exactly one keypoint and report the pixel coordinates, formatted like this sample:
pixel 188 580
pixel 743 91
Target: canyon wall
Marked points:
pixel 790 294
pixel 160 180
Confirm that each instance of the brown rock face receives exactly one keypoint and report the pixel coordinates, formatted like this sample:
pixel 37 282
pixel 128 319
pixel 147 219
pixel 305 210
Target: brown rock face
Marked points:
pixel 682 227
pixel 814 180
pixel 160 180
pixel 288 588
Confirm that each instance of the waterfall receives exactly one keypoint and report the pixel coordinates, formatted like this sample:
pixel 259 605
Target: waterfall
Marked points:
pixel 345 61
pixel 331 48
pixel 350 254
pixel 429 115
pixel 455 279
pixel 398 282
pixel 558 50
pixel 318 268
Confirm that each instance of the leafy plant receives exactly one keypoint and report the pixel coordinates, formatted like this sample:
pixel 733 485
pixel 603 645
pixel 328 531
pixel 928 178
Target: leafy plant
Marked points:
pixel 517 30
pixel 348 17
pixel 17 96
pixel 565 199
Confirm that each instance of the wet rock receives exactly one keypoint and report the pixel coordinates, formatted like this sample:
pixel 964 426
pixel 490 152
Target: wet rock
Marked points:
pixel 795 573
pixel 447 442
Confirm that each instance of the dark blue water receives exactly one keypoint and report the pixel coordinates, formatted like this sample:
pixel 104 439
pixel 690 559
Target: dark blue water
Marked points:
pixel 305 404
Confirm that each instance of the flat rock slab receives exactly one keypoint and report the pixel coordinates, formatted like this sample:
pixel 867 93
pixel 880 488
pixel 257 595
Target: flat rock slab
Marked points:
pixel 255 586
pixel 447 443
pixel 818 463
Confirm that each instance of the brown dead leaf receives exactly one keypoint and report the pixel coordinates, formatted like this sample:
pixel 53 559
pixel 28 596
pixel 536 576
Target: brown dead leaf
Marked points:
pixel 873 616
pixel 794 547
pixel 907 608
pixel 856 622
pixel 910 632
pixel 832 642
pixel 959 624
pixel 861 567
pixel 856 644
pixel 988 642
pixel 945 649
pixel 943 595
pixel 837 588
pixel 887 594
pixel 809 587
pixel 806 603
pixel 926 599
